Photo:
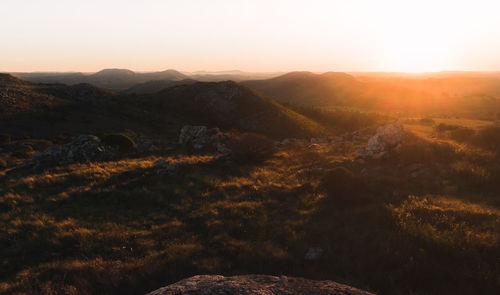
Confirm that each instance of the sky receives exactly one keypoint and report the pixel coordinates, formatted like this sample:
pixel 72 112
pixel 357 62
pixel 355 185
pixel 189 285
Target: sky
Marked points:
pixel 255 36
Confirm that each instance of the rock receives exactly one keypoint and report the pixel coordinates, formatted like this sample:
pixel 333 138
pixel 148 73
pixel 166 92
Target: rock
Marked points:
pixel 168 168
pixel 313 253
pixel 200 137
pixel 387 138
pixel 84 149
pixel 222 149
pixel 255 285
pixel 160 163
pixel 319 140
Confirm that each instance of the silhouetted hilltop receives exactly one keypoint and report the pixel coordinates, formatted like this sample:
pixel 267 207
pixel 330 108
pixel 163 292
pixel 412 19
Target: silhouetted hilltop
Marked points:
pixel 111 79
pixel 156 85
pixel 230 105
pixel 19 96
pixel 306 88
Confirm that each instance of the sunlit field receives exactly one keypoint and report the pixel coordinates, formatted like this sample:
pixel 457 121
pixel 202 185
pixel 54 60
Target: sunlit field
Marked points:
pixel 119 227
pixel 262 147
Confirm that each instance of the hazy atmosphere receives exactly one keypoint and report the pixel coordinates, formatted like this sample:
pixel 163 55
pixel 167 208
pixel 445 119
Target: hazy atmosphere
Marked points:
pixel 249 147
pixel 386 35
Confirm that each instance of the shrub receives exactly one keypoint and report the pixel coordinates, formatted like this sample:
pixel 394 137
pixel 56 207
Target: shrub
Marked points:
pixel 4 139
pixel 462 134
pixel 39 144
pixel 442 127
pixel 488 138
pixel 416 152
pixel 251 147
pixel 122 143
pixel 23 151
pixel 3 164
pixel 427 121
pixel 340 185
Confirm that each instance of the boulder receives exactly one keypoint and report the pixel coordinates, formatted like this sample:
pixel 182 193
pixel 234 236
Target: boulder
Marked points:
pixel 255 285
pixel 386 139
pixel 84 149
pixel 313 253
pixel 169 168
pixel 319 140
pixel 201 137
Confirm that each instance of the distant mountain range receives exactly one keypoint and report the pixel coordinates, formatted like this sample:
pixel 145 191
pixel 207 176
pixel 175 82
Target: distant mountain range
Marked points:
pixel 111 79
pixel 444 92
pixel 123 79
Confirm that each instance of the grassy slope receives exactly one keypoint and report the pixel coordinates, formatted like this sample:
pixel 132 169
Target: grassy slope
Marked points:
pixel 119 228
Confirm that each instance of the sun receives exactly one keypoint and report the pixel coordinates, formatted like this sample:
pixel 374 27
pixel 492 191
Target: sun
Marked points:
pixel 411 53
pixel 408 43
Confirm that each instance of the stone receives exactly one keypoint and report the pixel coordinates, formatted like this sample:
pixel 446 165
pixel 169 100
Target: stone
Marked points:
pixel 201 137
pixel 255 285
pixel 313 253
pixel 84 149
pixel 318 140
pixel 386 139
pixel 167 168
pixel 160 163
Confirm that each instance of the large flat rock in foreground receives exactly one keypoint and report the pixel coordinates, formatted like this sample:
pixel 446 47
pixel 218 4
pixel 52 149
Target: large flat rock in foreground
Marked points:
pixel 255 285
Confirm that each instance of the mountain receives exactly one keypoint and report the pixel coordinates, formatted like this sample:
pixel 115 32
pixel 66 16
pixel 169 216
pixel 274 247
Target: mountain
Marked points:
pixel 156 85
pixel 306 88
pixel 63 78
pixel 229 105
pixel 111 79
pixel 29 109
pixel 171 75
pixel 409 94
pixel 19 96
pixel 206 76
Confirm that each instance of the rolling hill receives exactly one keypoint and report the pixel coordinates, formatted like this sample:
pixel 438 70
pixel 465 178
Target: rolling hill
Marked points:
pixel 50 109
pixel 412 95
pixel 230 105
pixel 156 85
pixel 111 79
pixel 306 88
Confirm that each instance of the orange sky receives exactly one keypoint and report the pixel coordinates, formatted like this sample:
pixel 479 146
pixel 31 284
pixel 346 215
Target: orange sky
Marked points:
pixel 189 35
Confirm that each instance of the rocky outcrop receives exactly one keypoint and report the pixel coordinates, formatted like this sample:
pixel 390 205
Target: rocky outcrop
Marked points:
pixel 255 285
pixel 201 137
pixel 84 149
pixel 387 139
pixel 169 168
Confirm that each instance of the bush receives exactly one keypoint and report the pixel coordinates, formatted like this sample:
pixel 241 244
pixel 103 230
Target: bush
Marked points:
pixel 416 152
pixel 424 152
pixel 122 143
pixel 340 185
pixel 442 127
pixel 39 144
pixel 427 121
pixel 462 134
pixel 4 139
pixel 23 151
pixel 251 147
pixel 3 164
pixel 488 138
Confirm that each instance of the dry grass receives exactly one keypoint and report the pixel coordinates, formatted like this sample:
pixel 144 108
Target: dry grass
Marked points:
pixel 120 228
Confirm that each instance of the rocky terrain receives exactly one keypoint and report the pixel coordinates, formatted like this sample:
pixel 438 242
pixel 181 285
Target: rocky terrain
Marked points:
pixel 112 193
pixel 255 285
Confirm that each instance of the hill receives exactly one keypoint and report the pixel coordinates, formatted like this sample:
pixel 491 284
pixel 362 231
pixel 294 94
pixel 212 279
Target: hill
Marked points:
pixel 156 85
pixel 306 88
pixel 413 95
pixel 230 105
pixel 19 96
pixel 111 79
pixel 51 109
